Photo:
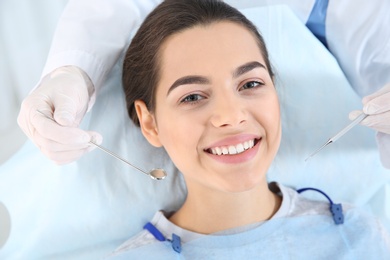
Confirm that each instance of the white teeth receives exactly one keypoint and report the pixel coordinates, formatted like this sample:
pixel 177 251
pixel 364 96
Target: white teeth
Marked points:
pixel 240 148
pixel 233 149
pixel 225 150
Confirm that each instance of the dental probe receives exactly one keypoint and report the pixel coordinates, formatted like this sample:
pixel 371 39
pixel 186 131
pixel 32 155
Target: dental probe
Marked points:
pixel 339 134
pixel 155 174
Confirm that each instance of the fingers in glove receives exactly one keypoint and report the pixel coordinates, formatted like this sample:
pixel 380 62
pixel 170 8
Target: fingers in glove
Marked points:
pixel 60 134
pixel 354 114
pixel 65 153
pixel 383 90
pixel 68 110
pixel 377 102
pixel 27 112
pixel 379 122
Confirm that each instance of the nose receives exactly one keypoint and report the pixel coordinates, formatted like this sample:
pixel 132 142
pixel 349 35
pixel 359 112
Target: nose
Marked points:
pixel 229 110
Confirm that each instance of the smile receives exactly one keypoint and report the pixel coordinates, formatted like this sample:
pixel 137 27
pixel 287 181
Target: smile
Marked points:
pixel 233 149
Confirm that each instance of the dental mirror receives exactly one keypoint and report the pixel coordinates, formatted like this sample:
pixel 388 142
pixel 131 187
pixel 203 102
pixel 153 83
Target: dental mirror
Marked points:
pixel 155 174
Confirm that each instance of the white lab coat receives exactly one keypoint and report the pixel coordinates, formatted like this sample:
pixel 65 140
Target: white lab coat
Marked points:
pixel 93 34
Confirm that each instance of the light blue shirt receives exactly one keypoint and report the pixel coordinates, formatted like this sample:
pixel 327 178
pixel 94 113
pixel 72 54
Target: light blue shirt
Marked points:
pixel 301 229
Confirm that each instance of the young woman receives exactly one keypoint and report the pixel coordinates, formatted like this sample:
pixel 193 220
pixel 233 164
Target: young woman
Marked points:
pixel 199 83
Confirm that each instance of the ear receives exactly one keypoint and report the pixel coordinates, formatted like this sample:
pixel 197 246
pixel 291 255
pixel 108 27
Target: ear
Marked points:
pixel 147 123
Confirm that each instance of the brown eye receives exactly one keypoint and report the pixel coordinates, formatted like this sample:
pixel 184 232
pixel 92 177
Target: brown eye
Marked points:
pixel 192 98
pixel 252 84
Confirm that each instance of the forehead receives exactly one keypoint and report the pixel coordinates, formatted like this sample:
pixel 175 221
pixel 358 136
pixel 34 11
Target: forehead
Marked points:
pixel 208 47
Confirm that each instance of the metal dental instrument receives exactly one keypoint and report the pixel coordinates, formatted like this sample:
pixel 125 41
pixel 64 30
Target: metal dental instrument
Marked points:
pixel 155 174
pixel 339 134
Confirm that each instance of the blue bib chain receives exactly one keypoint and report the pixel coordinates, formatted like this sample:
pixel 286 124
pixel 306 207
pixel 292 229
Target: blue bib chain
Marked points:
pixel 176 241
pixel 335 209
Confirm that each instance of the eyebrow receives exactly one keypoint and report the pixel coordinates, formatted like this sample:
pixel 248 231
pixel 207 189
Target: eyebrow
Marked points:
pixel 186 80
pixel 195 79
pixel 247 67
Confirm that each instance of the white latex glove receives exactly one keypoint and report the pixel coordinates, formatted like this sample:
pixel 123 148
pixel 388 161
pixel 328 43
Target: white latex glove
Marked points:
pixel 377 106
pixel 63 95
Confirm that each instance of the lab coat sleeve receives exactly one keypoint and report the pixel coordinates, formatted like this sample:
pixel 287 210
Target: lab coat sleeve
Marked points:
pixel 358 35
pixel 92 34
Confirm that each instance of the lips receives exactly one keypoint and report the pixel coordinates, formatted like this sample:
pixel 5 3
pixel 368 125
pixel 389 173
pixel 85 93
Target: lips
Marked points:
pixel 232 149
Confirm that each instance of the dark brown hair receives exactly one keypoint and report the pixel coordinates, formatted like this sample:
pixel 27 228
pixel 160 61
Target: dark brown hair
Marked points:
pixel 141 63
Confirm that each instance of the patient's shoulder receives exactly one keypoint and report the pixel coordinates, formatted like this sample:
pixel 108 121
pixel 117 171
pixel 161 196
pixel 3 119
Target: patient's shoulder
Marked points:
pixel 295 204
pixel 356 217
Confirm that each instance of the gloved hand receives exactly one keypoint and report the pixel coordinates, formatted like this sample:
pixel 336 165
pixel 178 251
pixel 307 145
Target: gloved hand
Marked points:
pixel 377 106
pixel 63 95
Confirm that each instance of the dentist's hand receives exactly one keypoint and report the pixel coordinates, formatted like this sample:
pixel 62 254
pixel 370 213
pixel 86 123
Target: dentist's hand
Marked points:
pixel 377 106
pixel 63 95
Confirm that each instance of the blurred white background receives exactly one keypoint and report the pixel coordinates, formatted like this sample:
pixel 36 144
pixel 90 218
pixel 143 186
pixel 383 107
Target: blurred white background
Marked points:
pixel 26 29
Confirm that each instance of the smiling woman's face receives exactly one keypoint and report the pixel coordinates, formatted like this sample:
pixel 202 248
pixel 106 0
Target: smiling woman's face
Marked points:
pixel 217 111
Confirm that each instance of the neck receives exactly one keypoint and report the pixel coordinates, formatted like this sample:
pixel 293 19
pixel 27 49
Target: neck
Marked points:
pixel 212 211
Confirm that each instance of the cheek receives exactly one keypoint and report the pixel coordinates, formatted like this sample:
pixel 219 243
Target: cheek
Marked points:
pixel 178 133
pixel 275 117
pixel 180 142
pixel 276 124
pixel 271 119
